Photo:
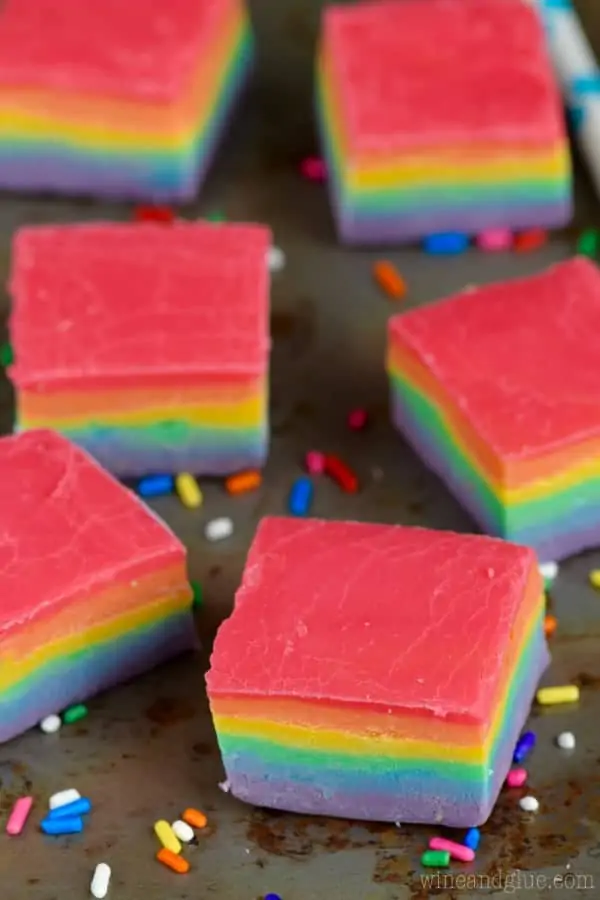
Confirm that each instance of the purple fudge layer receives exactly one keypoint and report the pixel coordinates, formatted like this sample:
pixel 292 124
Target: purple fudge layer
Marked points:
pixel 57 686
pixel 145 177
pixel 125 454
pixel 357 228
pixel 258 783
pixel 552 540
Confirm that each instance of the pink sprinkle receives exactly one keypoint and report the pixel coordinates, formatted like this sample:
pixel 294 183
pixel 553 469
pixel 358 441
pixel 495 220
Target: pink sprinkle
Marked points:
pixel 496 239
pixel 18 816
pixel 313 168
pixel 516 777
pixel 357 419
pixel 315 462
pixel 456 851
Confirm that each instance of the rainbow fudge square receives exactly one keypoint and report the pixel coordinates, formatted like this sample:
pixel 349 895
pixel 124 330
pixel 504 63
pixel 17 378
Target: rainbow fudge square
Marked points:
pixel 440 117
pixel 146 345
pixel 498 391
pixel 376 671
pixel 117 99
pixel 94 586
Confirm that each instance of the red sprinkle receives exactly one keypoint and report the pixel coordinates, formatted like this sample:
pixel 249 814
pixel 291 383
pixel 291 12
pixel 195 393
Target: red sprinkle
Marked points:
pixel 357 419
pixel 163 214
pixel 530 240
pixel 341 473
pixel 313 168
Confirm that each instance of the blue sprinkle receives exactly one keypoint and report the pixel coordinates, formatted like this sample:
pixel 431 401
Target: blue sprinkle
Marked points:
pixel 271 897
pixel 155 485
pixel 76 808
pixel 525 745
pixel 300 497
pixel 68 825
pixel 472 838
pixel 446 243
pixel 586 84
pixel 557 4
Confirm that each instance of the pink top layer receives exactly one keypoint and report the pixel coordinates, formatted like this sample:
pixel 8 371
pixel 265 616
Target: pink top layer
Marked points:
pixel 138 49
pixel 68 527
pixel 521 359
pixel 375 614
pixel 91 301
pixel 410 73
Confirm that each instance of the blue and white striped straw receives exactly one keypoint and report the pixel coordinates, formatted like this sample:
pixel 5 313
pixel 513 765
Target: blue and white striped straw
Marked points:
pixel 578 73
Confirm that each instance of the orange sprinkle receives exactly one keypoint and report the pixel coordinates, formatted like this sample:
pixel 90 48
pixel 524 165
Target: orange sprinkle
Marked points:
pixel 195 818
pixel 530 240
pixel 244 481
pixel 389 279
pixel 173 861
pixel 550 624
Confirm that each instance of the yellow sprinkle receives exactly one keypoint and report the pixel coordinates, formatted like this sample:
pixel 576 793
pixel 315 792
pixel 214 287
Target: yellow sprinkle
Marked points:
pixel 166 836
pixel 189 490
pixel 564 693
pixel 594 577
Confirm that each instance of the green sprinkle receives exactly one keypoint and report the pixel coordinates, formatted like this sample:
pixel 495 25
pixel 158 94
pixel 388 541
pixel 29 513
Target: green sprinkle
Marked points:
pixel 588 242
pixel 74 714
pixel 548 582
pixel 6 354
pixel 197 589
pixel 433 858
pixel 215 217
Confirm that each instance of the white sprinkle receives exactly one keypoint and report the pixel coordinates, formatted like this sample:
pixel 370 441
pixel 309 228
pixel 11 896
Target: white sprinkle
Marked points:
pixel 566 740
pixel 217 529
pixel 529 804
pixel 398 824
pixel 100 881
pixel 225 786
pixel 183 831
pixel 275 259
pixel 63 797
pixel 549 570
pixel 50 724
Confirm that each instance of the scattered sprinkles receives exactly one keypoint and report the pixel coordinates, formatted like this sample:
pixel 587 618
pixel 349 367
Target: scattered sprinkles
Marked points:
pixel 19 815
pixel 74 714
pixel 100 881
pixel 358 419
pixel 51 724
pixel 389 279
pixel 313 168
pixel 155 486
pixel 436 858
pixel 188 490
pixel 314 462
pixel 161 214
pixel 341 473
pixel 564 693
pixel 456 851
pixel 594 578
pixel 301 496
pixel 446 244
pixel 472 838
pixel 527 241
pixel 243 482
pixel 275 259
pixel 495 240
pixel 525 745
pixel 173 861
pixel 516 778
pixel 195 818
pixel 6 354
pixel 529 804
pixel 218 529
pixel 566 740
pixel 166 836
pixel 588 242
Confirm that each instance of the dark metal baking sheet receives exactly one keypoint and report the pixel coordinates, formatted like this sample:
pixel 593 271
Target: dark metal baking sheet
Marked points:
pixel 147 749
